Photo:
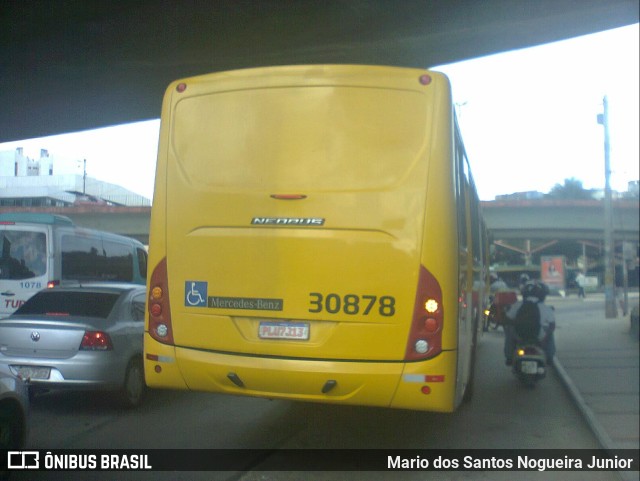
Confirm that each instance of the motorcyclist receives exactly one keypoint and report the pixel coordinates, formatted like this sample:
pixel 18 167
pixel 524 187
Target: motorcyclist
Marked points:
pixel 497 283
pixel 532 291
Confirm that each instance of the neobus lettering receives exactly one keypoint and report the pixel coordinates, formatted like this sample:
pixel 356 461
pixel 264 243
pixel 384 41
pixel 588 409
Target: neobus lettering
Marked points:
pixel 287 221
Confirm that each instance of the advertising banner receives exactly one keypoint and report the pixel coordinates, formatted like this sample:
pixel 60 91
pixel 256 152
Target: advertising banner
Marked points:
pixel 553 272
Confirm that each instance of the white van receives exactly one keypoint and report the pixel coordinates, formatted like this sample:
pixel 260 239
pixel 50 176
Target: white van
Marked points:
pixel 43 250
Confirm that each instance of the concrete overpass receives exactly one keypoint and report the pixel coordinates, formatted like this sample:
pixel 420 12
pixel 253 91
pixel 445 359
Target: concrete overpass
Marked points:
pixel 128 221
pixel 508 221
pixel 543 219
pixel 541 226
pixel 80 64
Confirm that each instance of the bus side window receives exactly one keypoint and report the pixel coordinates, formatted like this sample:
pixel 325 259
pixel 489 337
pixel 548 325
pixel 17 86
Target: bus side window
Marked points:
pixel 118 261
pixel 462 187
pixel 142 262
pixel 96 259
pixel 81 258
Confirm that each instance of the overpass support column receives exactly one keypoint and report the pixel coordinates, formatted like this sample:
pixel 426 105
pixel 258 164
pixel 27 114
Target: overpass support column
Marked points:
pixel 610 308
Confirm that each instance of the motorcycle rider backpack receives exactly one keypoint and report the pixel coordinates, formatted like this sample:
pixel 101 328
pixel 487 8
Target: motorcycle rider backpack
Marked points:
pixel 527 321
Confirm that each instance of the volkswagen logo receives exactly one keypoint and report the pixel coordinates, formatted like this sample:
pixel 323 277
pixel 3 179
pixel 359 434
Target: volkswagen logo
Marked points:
pixel 35 336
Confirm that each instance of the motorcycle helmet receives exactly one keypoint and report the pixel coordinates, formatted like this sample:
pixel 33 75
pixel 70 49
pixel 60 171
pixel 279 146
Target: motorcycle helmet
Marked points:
pixel 541 290
pixel 529 290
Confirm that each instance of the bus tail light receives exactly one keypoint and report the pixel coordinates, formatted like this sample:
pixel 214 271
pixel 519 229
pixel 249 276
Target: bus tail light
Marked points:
pixel 425 335
pixel 159 311
pixel 52 284
pixel 425 79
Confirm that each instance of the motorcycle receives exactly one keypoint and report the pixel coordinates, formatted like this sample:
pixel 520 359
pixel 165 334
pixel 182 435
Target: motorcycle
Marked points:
pixel 494 315
pixel 529 362
pixel 530 330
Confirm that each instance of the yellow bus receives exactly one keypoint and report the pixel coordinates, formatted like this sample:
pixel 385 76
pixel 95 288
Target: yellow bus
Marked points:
pixel 316 236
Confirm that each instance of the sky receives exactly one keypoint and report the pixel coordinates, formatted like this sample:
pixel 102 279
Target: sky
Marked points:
pixel 528 119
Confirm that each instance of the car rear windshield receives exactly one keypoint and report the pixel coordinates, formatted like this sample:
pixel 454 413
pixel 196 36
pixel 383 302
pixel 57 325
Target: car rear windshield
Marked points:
pixel 65 303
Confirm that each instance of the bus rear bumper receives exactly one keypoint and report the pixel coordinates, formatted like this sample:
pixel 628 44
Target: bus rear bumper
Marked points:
pixel 420 385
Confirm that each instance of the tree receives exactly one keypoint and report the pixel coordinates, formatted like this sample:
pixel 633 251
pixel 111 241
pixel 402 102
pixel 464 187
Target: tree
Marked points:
pixel 572 189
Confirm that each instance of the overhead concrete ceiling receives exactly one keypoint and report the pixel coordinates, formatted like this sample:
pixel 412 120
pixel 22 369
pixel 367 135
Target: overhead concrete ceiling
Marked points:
pixel 71 65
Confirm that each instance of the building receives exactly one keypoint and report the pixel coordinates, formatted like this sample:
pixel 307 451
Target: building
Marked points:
pixel 633 190
pixel 26 182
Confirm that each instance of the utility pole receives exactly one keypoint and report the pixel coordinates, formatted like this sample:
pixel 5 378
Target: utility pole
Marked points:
pixel 611 310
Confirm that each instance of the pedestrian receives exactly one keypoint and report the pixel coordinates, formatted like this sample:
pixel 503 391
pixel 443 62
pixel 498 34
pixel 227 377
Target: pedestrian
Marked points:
pixel 581 280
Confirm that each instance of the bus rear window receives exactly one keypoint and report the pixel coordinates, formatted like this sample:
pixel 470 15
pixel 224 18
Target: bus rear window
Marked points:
pixel 24 254
pixel 322 138
pixel 65 303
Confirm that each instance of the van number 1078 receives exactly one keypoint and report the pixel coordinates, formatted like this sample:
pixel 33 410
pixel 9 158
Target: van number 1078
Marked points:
pixel 352 304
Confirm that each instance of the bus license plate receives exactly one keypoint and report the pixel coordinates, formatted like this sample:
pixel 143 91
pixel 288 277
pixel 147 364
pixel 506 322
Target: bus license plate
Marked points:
pixel 284 330
pixel 33 372
pixel 529 367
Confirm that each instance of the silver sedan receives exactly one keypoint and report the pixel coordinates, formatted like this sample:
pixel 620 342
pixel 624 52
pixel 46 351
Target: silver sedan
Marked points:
pixel 83 337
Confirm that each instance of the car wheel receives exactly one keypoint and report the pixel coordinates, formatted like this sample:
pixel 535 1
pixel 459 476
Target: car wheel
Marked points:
pixel 134 388
pixel 11 428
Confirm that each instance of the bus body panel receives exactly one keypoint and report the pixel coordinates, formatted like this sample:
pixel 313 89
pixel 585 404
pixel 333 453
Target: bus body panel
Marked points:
pixel 358 154
pixel 308 196
pixel 301 271
pixel 385 384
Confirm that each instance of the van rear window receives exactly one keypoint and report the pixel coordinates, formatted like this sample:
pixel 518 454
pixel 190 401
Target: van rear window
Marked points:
pixel 23 255
pixel 65 303
pixel 96 259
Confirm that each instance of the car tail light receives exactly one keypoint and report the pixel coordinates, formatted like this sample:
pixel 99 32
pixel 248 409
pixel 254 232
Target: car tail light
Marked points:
pixel 159 310
pixel 425 335
pixel 96 341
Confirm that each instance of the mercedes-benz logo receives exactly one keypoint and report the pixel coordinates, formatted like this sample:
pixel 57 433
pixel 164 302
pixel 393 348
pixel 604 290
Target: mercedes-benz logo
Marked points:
pixel 35 336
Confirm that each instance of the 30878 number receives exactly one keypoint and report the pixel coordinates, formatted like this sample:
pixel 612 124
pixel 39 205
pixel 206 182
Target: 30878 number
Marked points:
pixel 352 304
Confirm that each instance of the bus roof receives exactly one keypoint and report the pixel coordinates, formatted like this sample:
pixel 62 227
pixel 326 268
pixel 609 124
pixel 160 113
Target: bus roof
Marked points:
pixel 34 218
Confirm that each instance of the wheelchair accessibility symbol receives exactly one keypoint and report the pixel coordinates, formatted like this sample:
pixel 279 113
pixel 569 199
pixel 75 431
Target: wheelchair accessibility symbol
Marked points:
pixel 195 293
